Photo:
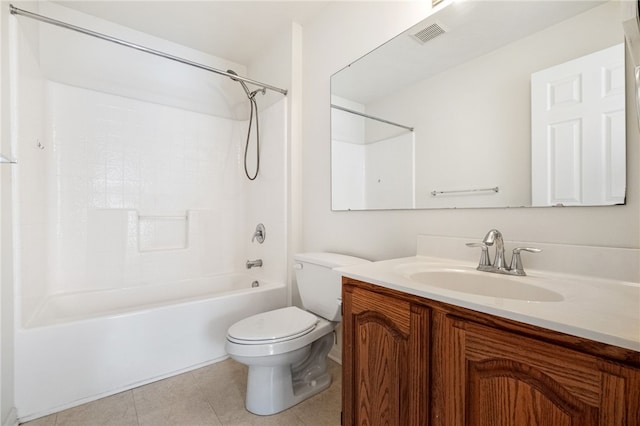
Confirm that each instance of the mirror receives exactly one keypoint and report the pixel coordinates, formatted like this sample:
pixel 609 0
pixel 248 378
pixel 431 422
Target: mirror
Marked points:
pixel 485 104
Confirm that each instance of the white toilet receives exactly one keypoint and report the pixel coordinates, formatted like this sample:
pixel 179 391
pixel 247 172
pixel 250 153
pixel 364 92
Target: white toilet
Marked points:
pixel 286 349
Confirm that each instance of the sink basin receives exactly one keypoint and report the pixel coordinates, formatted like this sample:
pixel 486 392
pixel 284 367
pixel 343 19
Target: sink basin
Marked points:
pixel 483 284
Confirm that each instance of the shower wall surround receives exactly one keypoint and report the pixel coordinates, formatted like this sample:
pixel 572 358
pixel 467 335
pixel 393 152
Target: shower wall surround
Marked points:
pixel 127 181
pixel 132 180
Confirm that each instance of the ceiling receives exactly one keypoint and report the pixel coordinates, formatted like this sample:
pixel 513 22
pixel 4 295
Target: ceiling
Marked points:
pixel 233 30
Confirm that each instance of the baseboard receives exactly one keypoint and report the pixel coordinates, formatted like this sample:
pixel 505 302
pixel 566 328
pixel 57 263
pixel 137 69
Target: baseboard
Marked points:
pixel 12 418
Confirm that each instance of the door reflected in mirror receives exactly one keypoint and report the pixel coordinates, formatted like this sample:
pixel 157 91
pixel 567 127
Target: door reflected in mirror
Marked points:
pixel 485 104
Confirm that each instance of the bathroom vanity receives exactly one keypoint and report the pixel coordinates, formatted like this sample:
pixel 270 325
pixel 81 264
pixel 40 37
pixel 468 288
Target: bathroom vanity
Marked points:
pixel 419 354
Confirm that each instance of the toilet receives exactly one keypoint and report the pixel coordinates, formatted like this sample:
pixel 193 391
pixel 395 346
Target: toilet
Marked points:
pixel 286 349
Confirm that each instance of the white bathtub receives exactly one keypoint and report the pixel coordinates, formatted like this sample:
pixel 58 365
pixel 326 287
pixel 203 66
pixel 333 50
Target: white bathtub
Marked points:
pixel 83 346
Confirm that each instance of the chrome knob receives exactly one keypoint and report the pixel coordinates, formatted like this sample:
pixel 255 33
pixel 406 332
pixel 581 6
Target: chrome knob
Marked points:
pixel 516 266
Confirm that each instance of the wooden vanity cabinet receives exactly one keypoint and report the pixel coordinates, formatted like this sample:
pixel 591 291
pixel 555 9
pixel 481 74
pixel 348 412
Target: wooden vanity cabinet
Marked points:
pixel 413 361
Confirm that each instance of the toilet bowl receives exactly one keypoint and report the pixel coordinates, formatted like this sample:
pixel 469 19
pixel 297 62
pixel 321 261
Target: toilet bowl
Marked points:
pixel 286 349
pixel 278 377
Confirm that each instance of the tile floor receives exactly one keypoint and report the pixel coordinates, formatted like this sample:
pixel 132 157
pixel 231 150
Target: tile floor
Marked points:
pixel 212 395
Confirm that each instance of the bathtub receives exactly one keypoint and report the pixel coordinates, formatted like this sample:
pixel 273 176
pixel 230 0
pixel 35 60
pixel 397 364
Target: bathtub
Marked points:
pixel 83 346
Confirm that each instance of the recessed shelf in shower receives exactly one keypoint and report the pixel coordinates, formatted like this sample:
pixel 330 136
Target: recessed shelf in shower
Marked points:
pixel 162 233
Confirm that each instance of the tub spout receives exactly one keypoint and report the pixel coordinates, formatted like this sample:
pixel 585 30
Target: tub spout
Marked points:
pixel 254 263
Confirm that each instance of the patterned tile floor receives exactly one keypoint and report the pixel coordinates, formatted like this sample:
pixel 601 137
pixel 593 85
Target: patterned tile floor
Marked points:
pixel 212 395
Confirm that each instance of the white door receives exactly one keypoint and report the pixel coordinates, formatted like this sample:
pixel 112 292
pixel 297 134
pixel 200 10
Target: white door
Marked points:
pixel 578 131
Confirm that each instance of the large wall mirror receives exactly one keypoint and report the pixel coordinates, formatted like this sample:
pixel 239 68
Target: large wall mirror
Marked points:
pixel 486 104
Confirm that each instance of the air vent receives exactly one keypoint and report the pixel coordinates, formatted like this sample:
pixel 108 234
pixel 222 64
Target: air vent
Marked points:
pixel 429 33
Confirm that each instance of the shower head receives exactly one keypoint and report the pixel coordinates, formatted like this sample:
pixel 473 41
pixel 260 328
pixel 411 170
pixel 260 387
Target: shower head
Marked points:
pixel 244 86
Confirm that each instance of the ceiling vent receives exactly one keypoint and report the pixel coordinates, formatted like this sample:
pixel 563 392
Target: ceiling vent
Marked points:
pixel 429 33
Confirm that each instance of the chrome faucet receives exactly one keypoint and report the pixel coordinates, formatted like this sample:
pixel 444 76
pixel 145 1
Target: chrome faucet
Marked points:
pixel 254 263
pixel 495 237
pixel 499 266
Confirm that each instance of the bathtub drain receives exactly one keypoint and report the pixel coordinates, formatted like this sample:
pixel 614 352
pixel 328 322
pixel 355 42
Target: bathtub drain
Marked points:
pixel 255 284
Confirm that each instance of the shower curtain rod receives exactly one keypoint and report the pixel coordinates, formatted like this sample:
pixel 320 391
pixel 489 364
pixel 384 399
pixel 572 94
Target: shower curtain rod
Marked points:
pixel 16 11
pixel 362 114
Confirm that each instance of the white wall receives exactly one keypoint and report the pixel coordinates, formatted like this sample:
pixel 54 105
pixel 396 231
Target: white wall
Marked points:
pixel 358 27
pixel 276 64
pixel 279 64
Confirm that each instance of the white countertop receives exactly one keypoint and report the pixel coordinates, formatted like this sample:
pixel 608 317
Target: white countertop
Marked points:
pixel 603 310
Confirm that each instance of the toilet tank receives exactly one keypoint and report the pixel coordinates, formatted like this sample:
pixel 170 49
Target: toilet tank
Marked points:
pixel 319 285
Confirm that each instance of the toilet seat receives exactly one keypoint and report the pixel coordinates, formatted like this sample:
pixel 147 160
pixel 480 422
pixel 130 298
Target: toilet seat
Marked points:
pixel 272 327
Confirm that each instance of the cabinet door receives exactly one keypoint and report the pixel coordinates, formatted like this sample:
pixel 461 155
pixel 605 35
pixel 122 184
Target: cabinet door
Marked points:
pixel 385 360
pixel 509 380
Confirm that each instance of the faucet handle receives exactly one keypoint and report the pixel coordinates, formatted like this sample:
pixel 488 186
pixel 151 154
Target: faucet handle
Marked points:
pixel 260 234
pixel 484 263
pixel 516 267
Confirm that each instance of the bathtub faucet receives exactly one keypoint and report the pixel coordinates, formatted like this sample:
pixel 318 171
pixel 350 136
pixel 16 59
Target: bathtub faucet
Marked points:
pixel 254 263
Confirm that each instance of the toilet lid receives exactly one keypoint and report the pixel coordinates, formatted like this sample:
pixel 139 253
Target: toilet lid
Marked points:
pixel 273 326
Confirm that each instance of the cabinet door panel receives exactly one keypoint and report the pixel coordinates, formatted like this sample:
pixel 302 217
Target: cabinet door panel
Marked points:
pixel 508 393
pixel 576 372
pixel 381 352
pixel 513 380
pixel 385 365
